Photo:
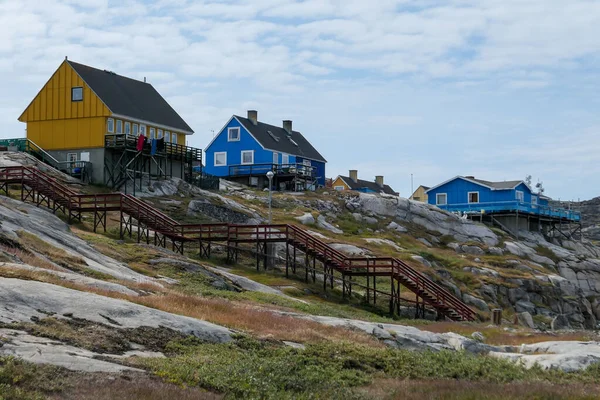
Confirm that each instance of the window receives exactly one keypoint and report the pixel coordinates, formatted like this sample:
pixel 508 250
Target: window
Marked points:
pixel 233 135
pixel 160 134
pixel 167 136
pixel 143 130
pixel 152 133
pixel 84 156
pixel 473 197
pixel 110 125
pixel 72 158
pixel 247 157
pixel 119 126
pixel 306 162
pixel 127 128
pixel 136 129
pixel 520 196
pixel 174 138
pixel 285 159
pixel 441 199
pixel 77 94
pixel 275 158
pixel 220 159
pixel 338 188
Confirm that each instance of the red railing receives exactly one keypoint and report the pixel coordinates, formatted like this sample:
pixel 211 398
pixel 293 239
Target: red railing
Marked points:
pixel 431 292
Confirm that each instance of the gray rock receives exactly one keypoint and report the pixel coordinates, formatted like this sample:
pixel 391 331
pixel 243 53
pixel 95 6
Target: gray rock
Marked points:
pixel 425 242
pixel 525 306
pixel 349 249
pixel 421 260
pixel 22 300
pixel 474 301
pixel 525 319
pixel 473 250
pixel 560 322
pixel 478 336
pixel 322 222
pixel 496 251
pixel 382 334
pixel 396 227
pixel 306 219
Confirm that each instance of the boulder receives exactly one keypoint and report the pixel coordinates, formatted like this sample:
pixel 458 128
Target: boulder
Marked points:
pixel 322 222
pixel 526 319
pixel 560 322
pixel 478 336
pixel 525 306
pixel 306 219
pixel 421 260
pixel 349 249
pixel 476 302
pixel 496 251
pixel 425 242
pixel 396 227
pixel 473 250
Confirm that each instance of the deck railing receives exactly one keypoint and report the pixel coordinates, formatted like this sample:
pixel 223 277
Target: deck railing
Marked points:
pixel 279 169
pixel 173 150
pixel 513 206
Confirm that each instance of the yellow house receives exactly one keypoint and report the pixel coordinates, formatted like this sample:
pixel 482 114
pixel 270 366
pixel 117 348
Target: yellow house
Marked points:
pixel 419 194
pixel 81 109
pixel 352 182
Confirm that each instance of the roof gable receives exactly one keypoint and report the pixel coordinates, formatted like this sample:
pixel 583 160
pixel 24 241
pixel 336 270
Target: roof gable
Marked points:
pixel 277 139
pixel 502 185
pixel 362 184
pixel 130 98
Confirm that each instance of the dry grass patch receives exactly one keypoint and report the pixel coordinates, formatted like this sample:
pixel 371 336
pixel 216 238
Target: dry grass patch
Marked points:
pixel 498 336
pixel 445 389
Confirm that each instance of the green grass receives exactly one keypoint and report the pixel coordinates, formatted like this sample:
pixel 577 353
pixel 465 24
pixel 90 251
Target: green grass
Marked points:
pixel 20 380
pixel 248 368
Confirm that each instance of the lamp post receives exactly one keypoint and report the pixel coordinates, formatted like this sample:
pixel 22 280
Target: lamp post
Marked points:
pixel 270 175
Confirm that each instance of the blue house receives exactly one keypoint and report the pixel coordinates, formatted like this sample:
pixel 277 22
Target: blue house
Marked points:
pixel 466 194
pixel 246 149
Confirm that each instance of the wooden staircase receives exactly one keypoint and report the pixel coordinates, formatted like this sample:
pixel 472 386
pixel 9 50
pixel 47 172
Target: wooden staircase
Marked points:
pixel 42 189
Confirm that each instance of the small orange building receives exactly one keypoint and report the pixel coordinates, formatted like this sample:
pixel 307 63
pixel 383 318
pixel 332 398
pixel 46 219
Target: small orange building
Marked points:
pixel 352 182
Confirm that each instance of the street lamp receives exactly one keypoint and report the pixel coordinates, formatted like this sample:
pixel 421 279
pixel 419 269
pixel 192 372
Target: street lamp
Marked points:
pixel 270 175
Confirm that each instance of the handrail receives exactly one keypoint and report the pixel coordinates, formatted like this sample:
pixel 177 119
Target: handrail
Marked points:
pixel 532 208
pixel 420 283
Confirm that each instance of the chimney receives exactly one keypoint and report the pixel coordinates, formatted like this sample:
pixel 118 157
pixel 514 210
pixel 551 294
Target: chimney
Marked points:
pixel 354 175
pixel 470 177
pixel 253 116
pixel 287 125
pixel 379 180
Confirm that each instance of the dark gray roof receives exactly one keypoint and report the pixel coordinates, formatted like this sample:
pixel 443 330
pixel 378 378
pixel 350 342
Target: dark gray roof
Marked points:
pixel 279 140
pixel 361 184
pixel 497 185
pixel 131 98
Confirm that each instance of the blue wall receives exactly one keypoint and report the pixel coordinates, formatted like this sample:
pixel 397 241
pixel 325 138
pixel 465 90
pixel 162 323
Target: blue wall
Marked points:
pixel 458 189
pixel 234 150
pixel 247 142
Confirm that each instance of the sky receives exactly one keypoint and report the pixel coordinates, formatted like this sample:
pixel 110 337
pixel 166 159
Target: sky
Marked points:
pixel 496 89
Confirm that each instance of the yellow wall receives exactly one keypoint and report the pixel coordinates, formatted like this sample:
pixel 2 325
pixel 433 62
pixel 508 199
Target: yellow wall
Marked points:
pixel 420 195
pixel 68 133
pixel 339 182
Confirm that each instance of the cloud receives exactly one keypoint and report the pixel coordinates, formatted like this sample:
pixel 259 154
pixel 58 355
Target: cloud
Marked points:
pixel 436 87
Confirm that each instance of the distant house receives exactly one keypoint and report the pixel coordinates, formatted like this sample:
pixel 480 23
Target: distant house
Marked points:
pixel 353 183
pixel 510 204
pixel 245 149
pixel 420 194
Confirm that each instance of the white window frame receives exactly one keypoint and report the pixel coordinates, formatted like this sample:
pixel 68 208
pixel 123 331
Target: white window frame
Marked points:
pixel 275 158
pixel 339 188
pixel 520 198
pixel 239 134
pixel 135 129
pixel 127 127
pixel 285 159
pixel 220 153
pixel 167 136
pixel 78 88
pixel 74 160
pixel 437 199
pixel 173 138
pixel 143 130
pixel 469 198
pixel 119 127
pixel 534 201
pixel 152 134
pixel 242 157
pixel 110 125
pixel 159 134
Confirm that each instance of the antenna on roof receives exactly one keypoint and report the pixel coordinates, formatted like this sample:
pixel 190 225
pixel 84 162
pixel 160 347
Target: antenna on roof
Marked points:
pixel 66 58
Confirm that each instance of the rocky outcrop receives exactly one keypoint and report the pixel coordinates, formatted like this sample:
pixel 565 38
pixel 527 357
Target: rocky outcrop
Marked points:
pixel 224 211
pixel 425 215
